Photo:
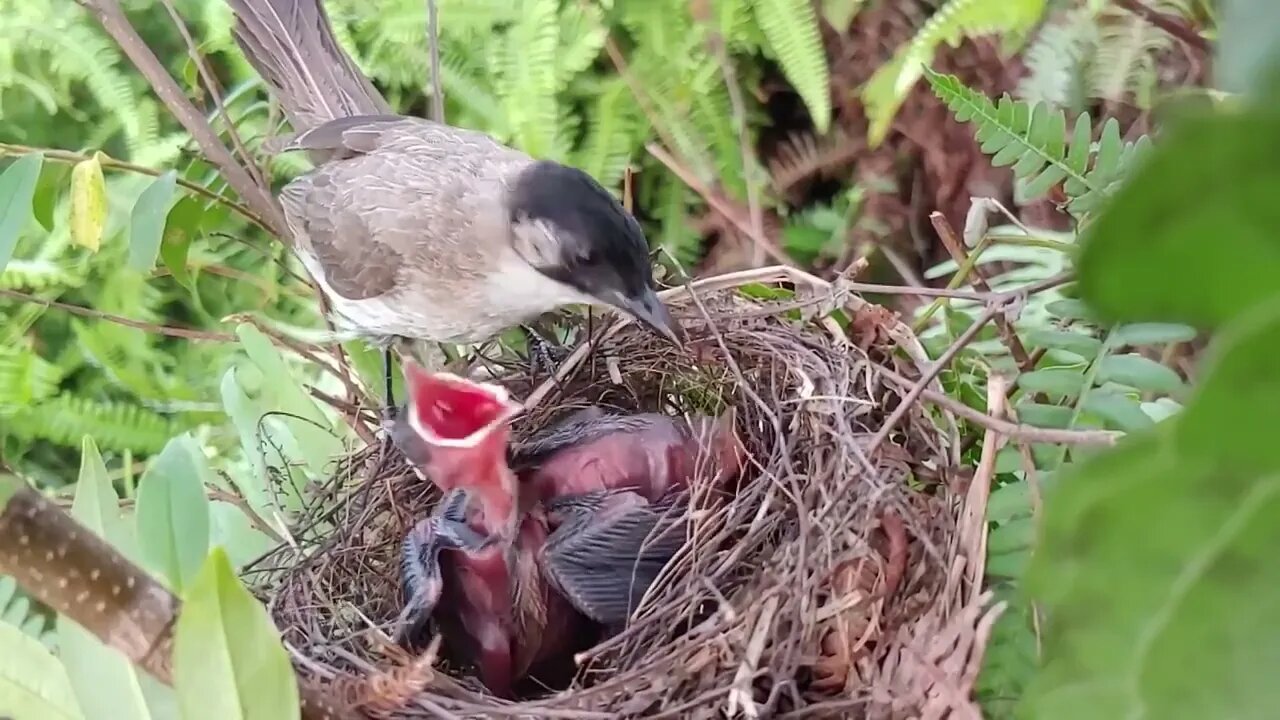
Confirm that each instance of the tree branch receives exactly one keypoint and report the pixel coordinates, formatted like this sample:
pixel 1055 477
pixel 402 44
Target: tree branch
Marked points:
pixel 113 20
pixel 1168 24
pixel 68 567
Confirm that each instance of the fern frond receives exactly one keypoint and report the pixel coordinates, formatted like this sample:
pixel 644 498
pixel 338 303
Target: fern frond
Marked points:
pixel 888 87
pixel 524 69
pixel 791 27
pixel 1055 61
pixel 1123 65
pixel 25 378
pixel 802 156
pixel 611 134
pixel 67 418
pixel 1033 139
pixel 39 274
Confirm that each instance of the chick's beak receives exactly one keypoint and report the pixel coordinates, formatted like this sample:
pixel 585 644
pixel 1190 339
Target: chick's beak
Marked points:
pixel 650 310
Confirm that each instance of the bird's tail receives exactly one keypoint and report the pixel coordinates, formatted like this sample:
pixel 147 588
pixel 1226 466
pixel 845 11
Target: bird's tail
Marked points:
pixel 292 46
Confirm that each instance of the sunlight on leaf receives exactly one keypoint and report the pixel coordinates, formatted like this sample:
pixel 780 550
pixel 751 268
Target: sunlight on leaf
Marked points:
pixel 229 662
pixel 173 512
pixel 88 203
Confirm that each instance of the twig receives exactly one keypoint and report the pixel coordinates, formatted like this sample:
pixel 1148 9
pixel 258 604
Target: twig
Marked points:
pixel 1028 433
pixel 433 43
pixel 71 158
pixel 948 236
pixel 905 405
pixel 1168 24
pixel 167 330
pixel 971 535
pixel 116 23
pixel 211 85
pixel 717 204
pixel 739 109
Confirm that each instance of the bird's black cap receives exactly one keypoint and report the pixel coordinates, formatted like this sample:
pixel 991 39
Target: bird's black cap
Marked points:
pixel 603 251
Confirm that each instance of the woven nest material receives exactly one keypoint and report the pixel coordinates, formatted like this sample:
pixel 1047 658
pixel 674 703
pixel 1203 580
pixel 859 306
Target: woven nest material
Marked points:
pixel 842 579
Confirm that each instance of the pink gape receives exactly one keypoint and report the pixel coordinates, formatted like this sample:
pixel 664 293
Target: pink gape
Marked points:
pixel 572 525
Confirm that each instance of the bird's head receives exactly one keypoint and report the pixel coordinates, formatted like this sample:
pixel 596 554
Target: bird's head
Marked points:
pixel 465 426
pixel 573 231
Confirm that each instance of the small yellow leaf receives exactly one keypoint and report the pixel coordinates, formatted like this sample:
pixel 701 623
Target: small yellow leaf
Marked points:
pixel 88 203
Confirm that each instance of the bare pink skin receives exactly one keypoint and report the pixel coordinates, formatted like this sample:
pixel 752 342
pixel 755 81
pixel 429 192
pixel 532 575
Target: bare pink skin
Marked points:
pixel 509 636
pixel 652 455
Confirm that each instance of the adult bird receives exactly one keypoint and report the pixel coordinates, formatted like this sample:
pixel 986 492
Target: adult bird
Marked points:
pixel 506 572
pixel 418 230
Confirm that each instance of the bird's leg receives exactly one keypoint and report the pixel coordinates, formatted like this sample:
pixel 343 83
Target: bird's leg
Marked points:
pixel 542 352
pixel 390 409
pixel 609 548
pixel 445 529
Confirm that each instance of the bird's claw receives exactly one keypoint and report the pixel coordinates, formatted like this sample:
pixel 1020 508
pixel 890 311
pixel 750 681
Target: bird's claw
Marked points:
pixel 544 356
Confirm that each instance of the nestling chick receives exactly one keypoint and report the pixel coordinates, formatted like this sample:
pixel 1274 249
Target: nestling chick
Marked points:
pixel 418 230
pixel 511 565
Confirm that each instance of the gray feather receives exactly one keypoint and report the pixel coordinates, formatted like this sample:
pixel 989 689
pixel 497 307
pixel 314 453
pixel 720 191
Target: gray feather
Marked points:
pixel 603 559
pixel 291 45
pixel 584 426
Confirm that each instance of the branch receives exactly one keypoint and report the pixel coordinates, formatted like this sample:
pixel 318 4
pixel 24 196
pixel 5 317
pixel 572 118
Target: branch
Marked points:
pixel 1168 24
pixel 117 25
pixel 110 163
pixel 68 567
pixel 433 42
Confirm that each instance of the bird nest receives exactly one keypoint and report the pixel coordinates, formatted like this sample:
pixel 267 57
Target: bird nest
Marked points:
pixel 841 579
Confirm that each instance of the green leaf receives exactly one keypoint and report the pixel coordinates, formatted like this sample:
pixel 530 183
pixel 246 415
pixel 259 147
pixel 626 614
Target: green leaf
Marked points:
pixel 1211 177
pixel 229 662
pixel 1069 309
pixel 53 178
pixel 182 228
pixel 173 512
pixel 1045 416
pixel 88 203
pixel 1139 372
pixel 104 679
pixel 314 431
pixel 147 220
pixel 1119 411
pixel 1236 408
pixel 1059 382
pixel 1009 501
pixel 33 685
pixel 1152 334
pixel 1158 559
pixel 1085 346
pixel 17 190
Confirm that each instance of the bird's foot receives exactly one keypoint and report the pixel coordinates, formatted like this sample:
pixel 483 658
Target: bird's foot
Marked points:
pixel 544 356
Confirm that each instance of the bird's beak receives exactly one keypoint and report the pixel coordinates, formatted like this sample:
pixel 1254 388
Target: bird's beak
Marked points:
pixel 451 411
pixel 650 310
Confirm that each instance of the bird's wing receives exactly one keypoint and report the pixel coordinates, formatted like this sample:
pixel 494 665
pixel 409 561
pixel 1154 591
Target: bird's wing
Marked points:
pixel 584 426
pixel 399 195
pixel 609 550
